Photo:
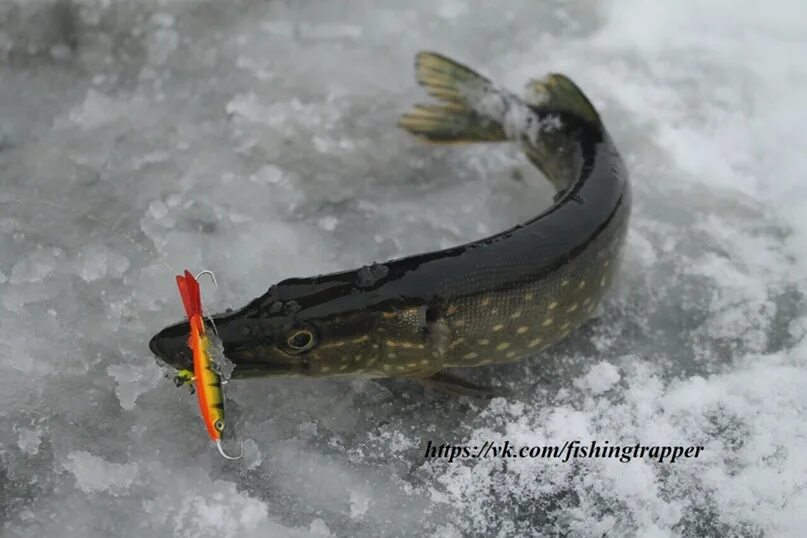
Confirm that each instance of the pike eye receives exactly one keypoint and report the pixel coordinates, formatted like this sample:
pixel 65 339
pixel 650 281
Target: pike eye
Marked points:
pixel 300 340
pixel 219 425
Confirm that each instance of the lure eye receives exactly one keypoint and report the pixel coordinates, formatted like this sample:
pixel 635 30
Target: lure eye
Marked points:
pixel 300 340
pixel 219 425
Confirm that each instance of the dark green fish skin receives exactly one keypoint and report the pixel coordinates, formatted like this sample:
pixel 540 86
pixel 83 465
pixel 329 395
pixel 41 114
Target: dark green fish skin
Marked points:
pixel 498 299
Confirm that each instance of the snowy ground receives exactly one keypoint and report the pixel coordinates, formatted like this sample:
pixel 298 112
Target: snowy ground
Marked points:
pixel 257 139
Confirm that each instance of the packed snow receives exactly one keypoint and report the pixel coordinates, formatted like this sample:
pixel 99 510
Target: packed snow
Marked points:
pixel 258 140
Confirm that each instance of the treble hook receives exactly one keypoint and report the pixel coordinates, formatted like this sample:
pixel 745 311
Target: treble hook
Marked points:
pixel 210 274
pixel 221 451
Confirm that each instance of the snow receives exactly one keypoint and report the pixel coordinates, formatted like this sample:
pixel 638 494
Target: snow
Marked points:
pixel 258 140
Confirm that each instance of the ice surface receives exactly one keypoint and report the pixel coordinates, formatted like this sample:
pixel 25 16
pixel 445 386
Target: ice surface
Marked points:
pixel 257 140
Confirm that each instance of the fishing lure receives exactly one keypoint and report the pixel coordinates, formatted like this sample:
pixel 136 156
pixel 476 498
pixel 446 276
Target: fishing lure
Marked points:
pixel 207 380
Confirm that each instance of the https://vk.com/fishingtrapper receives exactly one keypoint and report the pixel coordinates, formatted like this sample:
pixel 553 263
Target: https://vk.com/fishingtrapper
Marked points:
pixel 207 381
pixel 497 299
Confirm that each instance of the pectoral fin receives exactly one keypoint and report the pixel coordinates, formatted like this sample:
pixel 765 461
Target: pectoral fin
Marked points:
pixel 456 385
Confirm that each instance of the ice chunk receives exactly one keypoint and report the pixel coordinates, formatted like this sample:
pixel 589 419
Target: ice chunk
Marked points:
pixel 34 267
pixel 157 210
pixel 29 439
pixel 221 364
pixel 319 529
pixel 600 378
pixel 359 503
pixel 94 473
pixel 133 380
pixel 328 223
pixel 93 266
pixel 96 261
pixel 161 43
pixel 267 175
pixel 96 110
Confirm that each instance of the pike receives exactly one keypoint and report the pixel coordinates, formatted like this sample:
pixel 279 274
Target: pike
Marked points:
pixel 497 299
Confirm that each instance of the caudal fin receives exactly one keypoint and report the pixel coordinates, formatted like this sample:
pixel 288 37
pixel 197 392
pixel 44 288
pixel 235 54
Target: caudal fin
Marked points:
pixel 455 120
pixel 190 293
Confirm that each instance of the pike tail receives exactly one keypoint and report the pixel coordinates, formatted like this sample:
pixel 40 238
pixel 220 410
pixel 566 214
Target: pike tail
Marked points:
pixel 472 109
pixel 455 120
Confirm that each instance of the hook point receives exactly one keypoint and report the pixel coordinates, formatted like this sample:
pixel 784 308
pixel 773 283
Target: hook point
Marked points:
pixel 225 455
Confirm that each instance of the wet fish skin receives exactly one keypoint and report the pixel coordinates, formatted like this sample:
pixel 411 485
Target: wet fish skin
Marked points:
pixel 497 299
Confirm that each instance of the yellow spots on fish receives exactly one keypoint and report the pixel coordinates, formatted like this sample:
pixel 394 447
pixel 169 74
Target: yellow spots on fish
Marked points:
pixel 405 345
pixel 372 361
pixel 564 283
pixel 522 330
pixel 586 301
pixel 435 354
pixel 343 367
pixel 424 362
pixel 571 308
pixel 451 310
pixel 528 296
pixel 502 346
pixel 535 342
pixel 483 341
pixel 411 365
pixel 392 355
pixel 604 282
pixel 552 306
pixel 494 311
pixel 516 314
pixel 485 301
pixel 338 343
pixel 510 354
pixel 581 285
pixel 486 361
pixel 388 315
pixel 457 342
pixel 387 367
pixel 498 327
pixel 606 263
pixel 400 368
pixel 564 334
pixel 547 322
pixel 459 323
pixel 360 339
pixel 564 326
pixel 375 346
pixel 590 308
pixel 471 355
pixel 357 358
pixel 325 369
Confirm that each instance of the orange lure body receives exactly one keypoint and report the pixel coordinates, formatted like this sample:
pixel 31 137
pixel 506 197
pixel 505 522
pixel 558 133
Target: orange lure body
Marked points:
pixel 207 381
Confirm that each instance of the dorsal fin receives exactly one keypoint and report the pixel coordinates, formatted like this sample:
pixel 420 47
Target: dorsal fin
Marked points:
pixel 190 293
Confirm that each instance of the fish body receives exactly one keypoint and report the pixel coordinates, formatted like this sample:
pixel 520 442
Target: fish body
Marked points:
pixel 498 299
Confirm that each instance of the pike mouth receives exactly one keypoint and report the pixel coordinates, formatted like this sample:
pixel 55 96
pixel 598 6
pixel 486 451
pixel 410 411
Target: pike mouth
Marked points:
pixel 172 349
pixel 170 346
